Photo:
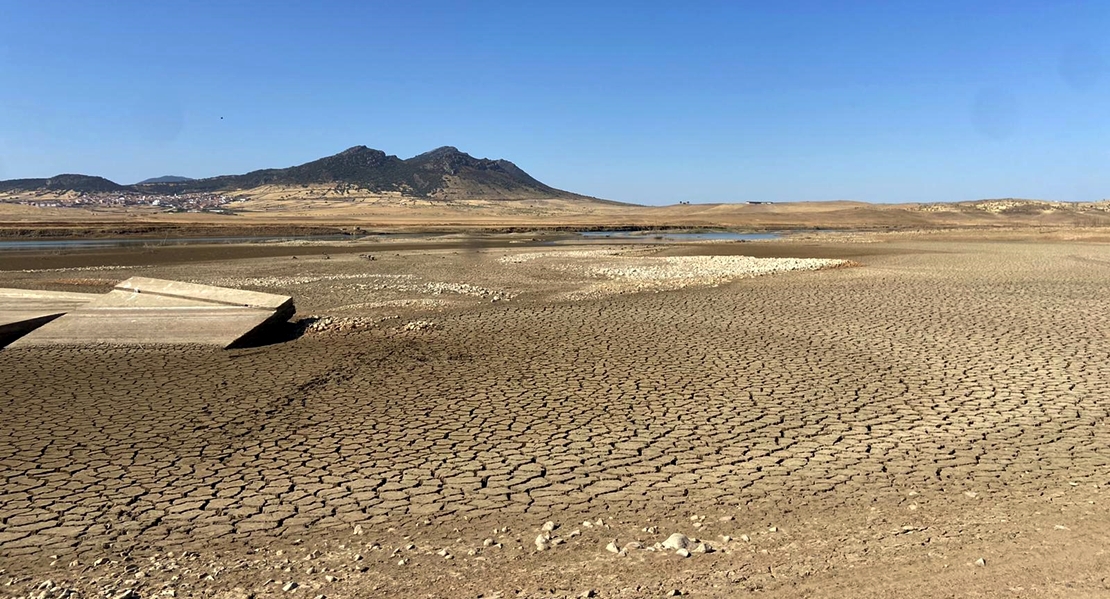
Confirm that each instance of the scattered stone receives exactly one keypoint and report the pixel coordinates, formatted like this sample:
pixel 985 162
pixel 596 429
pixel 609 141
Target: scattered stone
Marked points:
pixel 772 529
pixel 633 546
pixel 971 494
pixel 488 542
pixel 612 547
pixel 358 529
pixel 980 562
pixel 126 594
pixel 682 553
pixel 289 586
pixel 402 562
pixel 703 548
pixel 542 543
pixel 420 325
pixel 745 538
pixel 548 526
pixel 676 541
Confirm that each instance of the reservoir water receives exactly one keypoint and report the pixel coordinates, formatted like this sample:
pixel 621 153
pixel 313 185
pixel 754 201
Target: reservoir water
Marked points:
pixel 678 235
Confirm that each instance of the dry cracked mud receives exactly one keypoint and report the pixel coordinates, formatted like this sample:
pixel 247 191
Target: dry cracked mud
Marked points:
pixel 864 431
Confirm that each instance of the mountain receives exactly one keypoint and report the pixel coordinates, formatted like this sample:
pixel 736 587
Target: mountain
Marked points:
pixel 443 173
pixel 165 179
pixel 62 184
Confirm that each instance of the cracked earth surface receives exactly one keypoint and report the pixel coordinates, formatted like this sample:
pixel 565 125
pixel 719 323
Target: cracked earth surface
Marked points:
pixel 939 383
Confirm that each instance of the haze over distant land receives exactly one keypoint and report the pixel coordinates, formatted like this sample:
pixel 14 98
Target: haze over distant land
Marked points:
pixel 643 102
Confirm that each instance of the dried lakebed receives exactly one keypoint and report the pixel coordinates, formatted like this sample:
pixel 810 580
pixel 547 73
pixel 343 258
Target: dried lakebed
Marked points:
pixel 861 431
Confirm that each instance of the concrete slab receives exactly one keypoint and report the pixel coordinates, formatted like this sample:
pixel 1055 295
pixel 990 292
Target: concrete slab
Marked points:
pixel 24 310
pixel 144 311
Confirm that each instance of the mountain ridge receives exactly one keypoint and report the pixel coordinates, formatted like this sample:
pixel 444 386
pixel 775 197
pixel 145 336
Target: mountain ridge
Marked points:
pixel 165 179
pixel 442 173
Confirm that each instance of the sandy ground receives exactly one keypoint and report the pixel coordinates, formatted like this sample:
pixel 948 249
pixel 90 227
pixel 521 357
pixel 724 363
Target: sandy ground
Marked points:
pixel 927 420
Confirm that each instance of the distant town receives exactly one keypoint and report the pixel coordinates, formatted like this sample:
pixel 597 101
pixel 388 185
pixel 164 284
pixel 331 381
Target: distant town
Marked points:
pixel 178 202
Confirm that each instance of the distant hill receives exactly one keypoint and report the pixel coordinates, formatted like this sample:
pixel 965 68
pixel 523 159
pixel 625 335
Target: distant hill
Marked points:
pixel 442 174
pixel 165 179
pixel 63 184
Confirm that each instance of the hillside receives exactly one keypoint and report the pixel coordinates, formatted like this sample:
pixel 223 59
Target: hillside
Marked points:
pixel 441 174
pixel 63 184
pixel 165 179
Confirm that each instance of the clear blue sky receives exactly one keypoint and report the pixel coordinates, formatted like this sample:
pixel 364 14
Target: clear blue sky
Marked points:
pixel 650 102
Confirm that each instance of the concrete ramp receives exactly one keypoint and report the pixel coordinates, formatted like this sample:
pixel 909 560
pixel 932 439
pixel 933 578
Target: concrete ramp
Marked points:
pixel 144 311
pixel 24 310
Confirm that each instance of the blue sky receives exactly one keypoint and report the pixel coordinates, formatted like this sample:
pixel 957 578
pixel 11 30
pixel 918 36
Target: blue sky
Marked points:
pixel 649 102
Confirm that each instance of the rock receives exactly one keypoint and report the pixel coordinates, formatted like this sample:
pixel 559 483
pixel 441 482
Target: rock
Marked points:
pixel 402 562
pixel 289 586
pixel 703 548
pixel 612 547
pixel 488 542
pixel 542 543
pixel 980 562
pixel 126 594
pixel 548 526
pixel 676 541
pixel 358 529
pixel 633 546
pixel 587 594
pixel 682 553
pixel 772 529
pixel 725 538
pixel 674 593
pixel 745 538
pixel 330 578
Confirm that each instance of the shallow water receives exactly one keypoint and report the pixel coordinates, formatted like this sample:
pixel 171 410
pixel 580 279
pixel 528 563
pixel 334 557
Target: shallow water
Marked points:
pixel 679 235
pixel 65 244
